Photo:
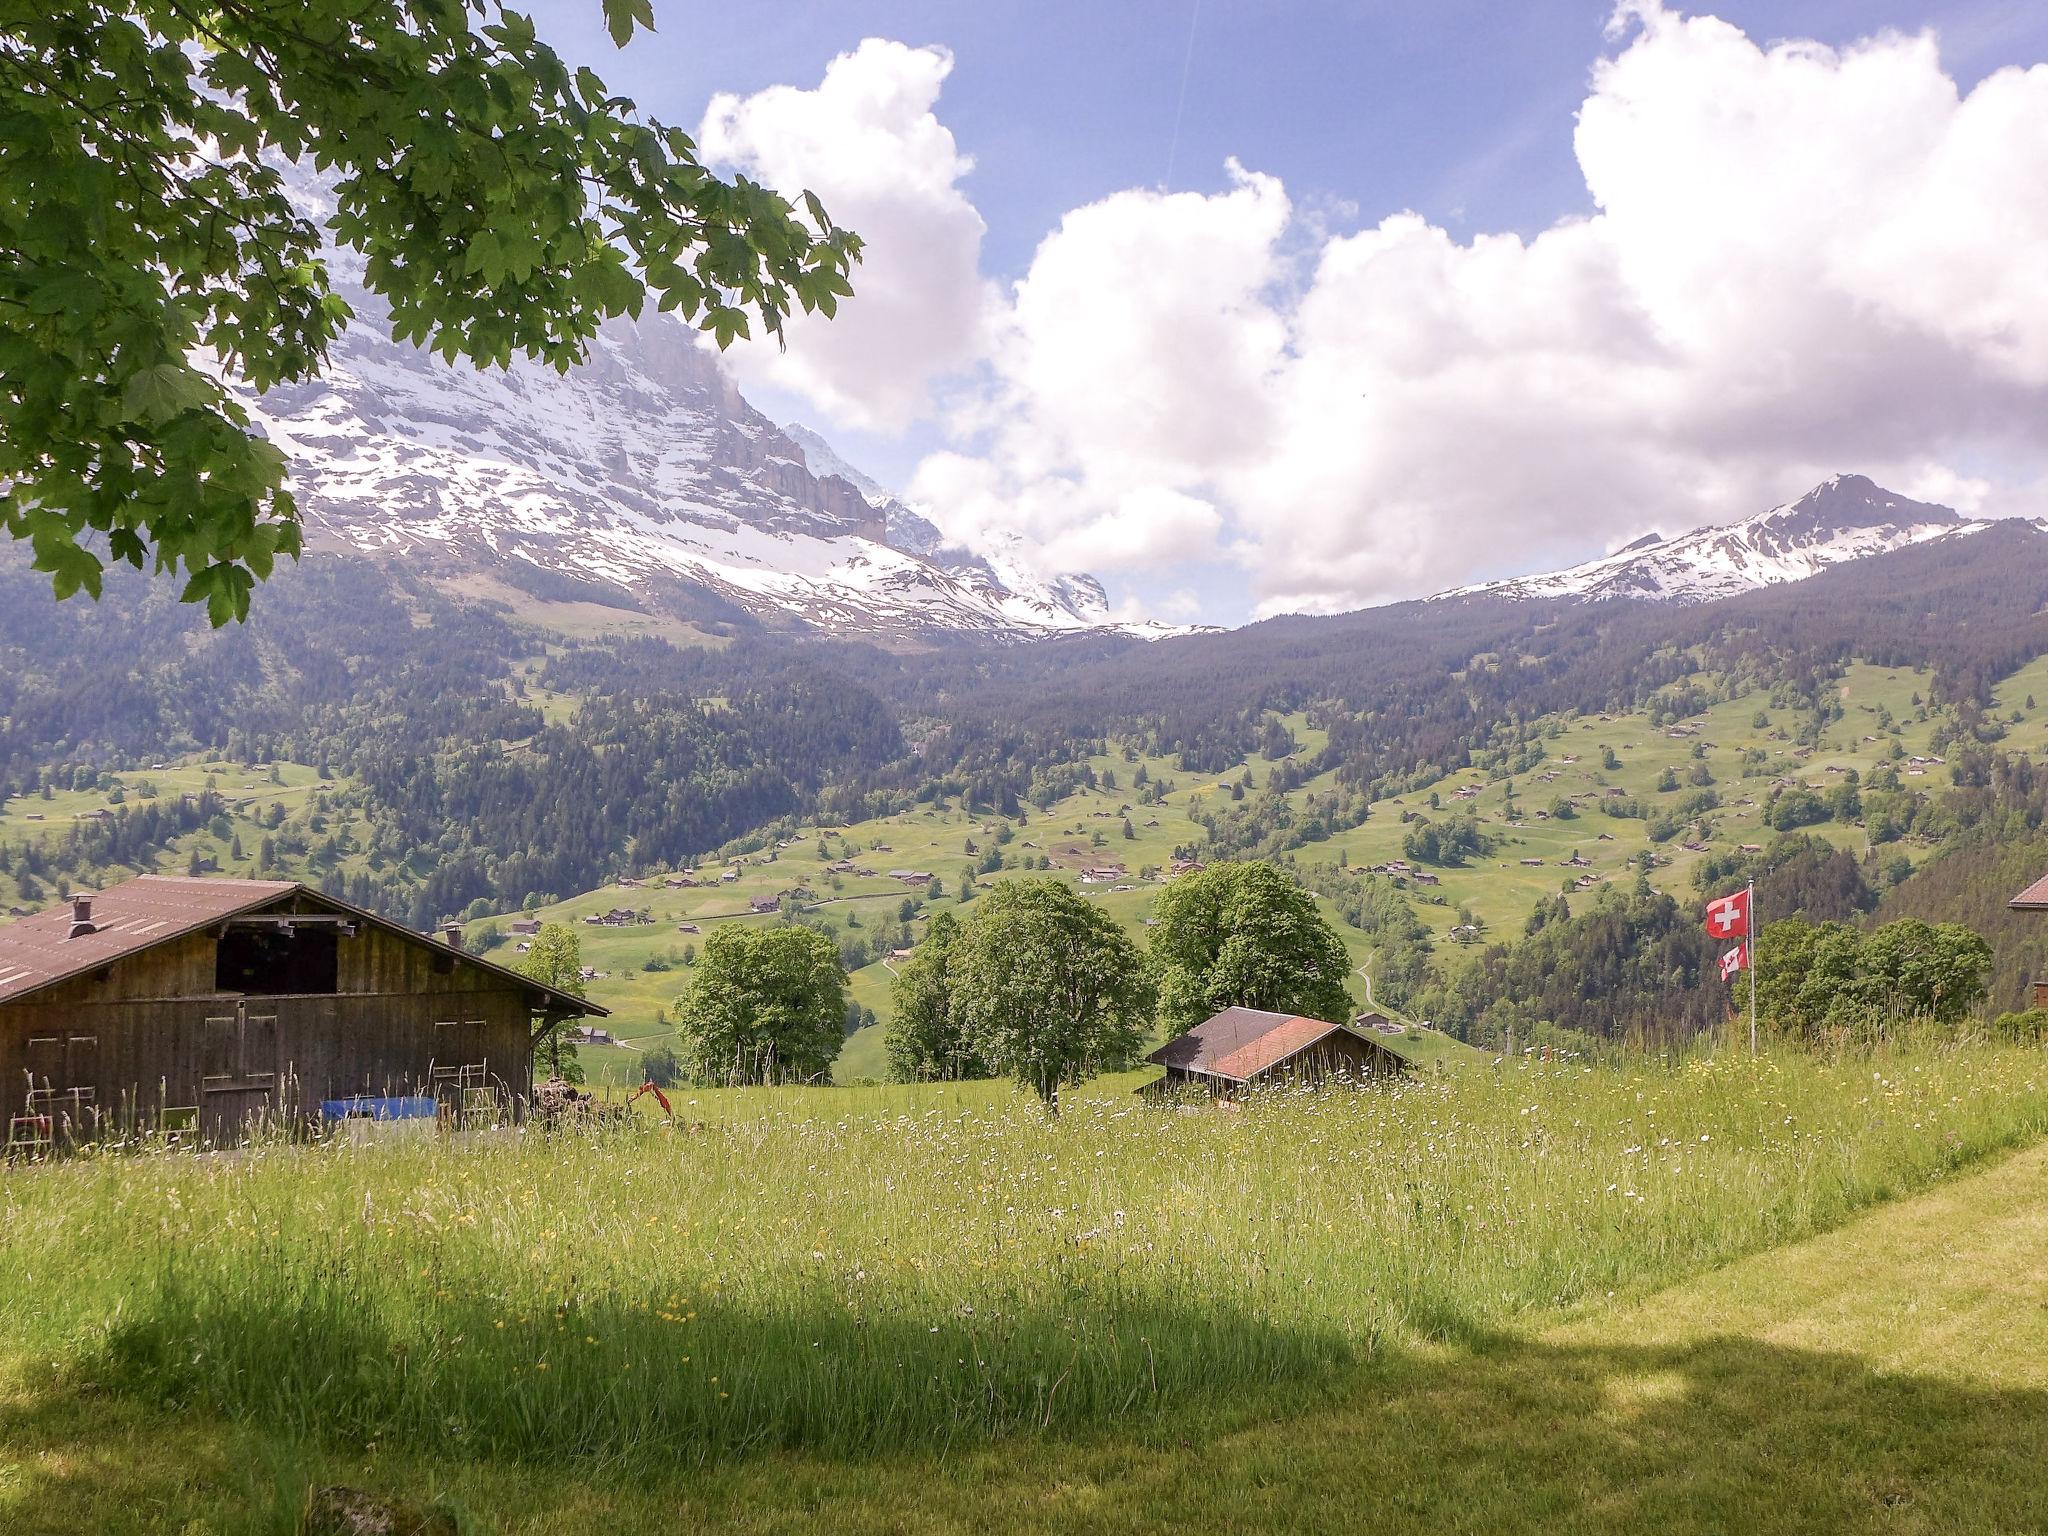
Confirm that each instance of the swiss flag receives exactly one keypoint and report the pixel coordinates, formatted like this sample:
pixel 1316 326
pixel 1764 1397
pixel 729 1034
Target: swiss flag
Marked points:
pixel 1736 959
pixel 1728 918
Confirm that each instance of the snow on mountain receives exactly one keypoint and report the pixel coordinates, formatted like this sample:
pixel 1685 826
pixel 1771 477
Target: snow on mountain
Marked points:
pixel 643 470
pixel 999 567
pixel 1846 517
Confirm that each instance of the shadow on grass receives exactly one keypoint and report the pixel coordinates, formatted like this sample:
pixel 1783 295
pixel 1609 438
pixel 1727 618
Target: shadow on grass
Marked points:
pixel 691 1380
pixel 1730 1434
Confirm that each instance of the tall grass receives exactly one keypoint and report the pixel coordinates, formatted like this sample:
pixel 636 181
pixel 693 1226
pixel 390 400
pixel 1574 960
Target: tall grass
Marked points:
pixel 855 1271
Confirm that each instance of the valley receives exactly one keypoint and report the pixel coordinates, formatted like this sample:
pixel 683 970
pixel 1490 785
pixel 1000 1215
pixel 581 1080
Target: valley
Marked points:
pixel 1747 746
pixel 1711 756
pixel 1023 769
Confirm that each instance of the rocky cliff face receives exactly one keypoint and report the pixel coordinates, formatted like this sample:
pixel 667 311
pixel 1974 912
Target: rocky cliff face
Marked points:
pixel 644 470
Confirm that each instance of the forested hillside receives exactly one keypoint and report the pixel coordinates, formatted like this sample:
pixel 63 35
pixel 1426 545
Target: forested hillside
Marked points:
pixel 435 755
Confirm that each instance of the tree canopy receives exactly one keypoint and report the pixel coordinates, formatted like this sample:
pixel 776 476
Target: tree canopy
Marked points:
pixel 767 1005
pixel 1815 980
pixel 1245 935
pixel 925 1040
pixel 500 203
pixel 555 959
pixel 1047 988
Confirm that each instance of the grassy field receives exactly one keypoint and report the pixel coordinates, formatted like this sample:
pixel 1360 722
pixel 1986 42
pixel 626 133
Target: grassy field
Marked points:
pixel 844 1299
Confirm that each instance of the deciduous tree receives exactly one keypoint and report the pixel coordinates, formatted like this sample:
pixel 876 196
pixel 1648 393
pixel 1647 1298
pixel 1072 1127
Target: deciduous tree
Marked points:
pixel 925 1041
pixel 1048 989
pixel 500 203
pixel 767 1005
pixel 1245 935
pixel 555 959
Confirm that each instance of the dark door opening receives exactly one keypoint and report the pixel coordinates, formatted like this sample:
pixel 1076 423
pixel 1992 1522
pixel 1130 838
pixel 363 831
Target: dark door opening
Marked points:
pixel 271 962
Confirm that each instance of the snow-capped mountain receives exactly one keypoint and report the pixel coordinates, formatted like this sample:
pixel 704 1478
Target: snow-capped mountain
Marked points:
pixel 997 566
pixel 1846 517
pixel 645 471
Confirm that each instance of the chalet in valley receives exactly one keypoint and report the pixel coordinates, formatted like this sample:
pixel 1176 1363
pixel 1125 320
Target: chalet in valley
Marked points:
pixel 1242 1048
pixel 2034 899
pixel 194 1006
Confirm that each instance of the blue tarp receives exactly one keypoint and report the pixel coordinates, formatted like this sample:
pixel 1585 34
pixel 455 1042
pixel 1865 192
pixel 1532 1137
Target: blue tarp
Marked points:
pixel 364 1107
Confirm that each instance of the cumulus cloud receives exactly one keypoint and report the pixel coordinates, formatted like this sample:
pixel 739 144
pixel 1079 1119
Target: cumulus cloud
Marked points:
pixel 1135 358
pixel 867 141
pixel 1802 260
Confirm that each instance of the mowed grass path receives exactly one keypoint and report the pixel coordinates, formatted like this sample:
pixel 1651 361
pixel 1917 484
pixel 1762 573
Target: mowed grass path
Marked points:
pixel 1415 1312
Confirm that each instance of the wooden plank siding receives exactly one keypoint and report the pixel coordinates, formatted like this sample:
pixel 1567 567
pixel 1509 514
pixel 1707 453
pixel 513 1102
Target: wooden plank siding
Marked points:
pixel 151 1030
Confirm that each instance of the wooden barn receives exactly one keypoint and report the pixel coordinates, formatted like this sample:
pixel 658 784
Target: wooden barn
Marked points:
pixel 2034 899
pixel 1242 1048
pixel 193 1006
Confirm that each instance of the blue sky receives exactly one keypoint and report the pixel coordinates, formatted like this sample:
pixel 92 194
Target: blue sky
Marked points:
pixel 1460 110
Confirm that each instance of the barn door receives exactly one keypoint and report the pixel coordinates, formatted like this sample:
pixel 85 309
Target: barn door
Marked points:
pixel 238 1070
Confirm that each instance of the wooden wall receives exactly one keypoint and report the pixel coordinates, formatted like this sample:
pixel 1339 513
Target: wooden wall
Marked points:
pixel 150 1031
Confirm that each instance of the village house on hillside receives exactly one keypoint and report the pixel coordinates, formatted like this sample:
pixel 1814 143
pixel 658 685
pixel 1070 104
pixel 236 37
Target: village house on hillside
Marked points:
pixel 1241 1048
pixel 194 1006
pixel 2034 899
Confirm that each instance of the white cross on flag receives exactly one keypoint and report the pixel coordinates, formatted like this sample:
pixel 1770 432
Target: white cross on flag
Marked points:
pixel 1728 918
pixel 1736 959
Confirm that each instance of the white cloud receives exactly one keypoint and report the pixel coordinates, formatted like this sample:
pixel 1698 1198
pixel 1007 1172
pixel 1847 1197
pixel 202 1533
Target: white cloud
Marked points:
pixel 1802 260
pixel 868 143
pixel 1137 356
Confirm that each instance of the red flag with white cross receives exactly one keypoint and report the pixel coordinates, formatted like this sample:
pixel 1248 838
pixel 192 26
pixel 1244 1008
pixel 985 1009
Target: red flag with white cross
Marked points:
pixel 1728 917
pixel 1734 961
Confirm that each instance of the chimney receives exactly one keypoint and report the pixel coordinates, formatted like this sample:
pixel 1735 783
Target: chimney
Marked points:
pixel 452 932
pixel 81 916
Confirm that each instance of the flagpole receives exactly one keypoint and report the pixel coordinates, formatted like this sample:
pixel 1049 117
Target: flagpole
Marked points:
pixel 1754 925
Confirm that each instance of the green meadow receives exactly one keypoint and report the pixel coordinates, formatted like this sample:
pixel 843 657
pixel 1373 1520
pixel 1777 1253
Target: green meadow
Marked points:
pixel 799 1299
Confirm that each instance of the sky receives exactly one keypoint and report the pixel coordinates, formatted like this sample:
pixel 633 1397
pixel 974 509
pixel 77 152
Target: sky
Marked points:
pixel 1265 306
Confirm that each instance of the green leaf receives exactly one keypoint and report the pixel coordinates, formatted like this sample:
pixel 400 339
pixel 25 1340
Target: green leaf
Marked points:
pixel 621 16
pixel 159 393
pixel 76 294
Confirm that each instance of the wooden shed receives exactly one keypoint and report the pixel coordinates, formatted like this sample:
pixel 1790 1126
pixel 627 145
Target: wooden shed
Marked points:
pixel 1241 1048
pixel 2034 899
pixel 195 1006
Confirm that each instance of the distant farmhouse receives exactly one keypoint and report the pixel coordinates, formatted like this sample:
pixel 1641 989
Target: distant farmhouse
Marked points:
pixel 1243 1048
pixel 195 1006
pixel 2034 899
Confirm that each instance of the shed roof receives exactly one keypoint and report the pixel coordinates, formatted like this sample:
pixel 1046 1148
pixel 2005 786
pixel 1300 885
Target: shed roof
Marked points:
pixel 2033 899
pixel 1240 1043
pixel 39 951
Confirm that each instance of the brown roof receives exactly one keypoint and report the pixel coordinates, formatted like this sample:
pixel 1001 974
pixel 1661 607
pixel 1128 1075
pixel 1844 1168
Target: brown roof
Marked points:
pixel 132 916
pixel 138 914
pixel 2033 899
pixel 1240 1043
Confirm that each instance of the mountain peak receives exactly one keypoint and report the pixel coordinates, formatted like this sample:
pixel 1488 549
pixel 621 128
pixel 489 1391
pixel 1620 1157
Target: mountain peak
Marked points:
pixel 1843 502
pixel 640 479
pixel 1845 517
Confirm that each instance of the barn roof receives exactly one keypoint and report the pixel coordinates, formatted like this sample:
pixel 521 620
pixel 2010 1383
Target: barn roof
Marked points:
pixel 2033 899
pixel 39 950
pixel 1240 1043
